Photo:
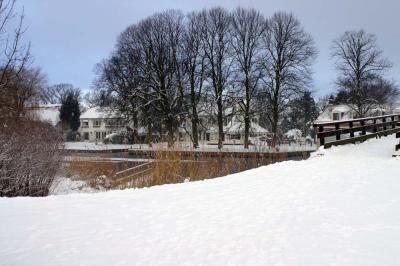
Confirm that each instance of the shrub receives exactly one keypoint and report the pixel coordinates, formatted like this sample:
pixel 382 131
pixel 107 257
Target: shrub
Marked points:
pixel 30 156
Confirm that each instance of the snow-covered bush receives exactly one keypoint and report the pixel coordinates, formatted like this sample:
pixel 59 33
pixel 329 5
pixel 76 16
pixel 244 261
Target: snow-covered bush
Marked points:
pixel 30 156
pixel 293 134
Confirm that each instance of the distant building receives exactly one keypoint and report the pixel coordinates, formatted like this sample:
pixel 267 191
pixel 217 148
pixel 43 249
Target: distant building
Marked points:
pixel 47 113
pixel 97 123
pixel 233 127
pixel 341 112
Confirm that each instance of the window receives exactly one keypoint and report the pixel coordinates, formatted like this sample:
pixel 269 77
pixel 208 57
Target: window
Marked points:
pixel 96 123
pixel 335 116
pixel 235 136
pixel 86 136
pixel 85 124
pixel 98 135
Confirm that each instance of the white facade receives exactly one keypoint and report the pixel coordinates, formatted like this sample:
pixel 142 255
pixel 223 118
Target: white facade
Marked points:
pixel 343 112
pixel 47 113
pixel 97 123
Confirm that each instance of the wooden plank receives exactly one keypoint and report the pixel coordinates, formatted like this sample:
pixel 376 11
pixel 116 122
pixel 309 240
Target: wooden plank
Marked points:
pixel 361 138
pixel 356 120
pixel 372 127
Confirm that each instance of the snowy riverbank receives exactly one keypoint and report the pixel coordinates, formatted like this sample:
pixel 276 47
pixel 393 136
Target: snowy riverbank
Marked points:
pixel 340 207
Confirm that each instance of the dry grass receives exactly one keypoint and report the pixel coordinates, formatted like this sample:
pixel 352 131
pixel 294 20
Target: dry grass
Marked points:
pixel 169 167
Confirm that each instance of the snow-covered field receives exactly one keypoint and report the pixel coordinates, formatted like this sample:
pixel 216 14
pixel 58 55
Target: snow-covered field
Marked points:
pixel 258 147
pixel 340 207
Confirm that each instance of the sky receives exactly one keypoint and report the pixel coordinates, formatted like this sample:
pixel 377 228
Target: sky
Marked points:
pixel 68 38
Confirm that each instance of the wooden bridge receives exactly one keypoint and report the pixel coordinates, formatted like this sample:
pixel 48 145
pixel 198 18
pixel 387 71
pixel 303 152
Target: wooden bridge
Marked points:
pixel 357 130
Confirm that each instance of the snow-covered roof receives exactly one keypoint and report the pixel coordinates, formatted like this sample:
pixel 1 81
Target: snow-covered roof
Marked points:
pixel 327 114
pixel 238 127
pixel 341 109
pixel 99 113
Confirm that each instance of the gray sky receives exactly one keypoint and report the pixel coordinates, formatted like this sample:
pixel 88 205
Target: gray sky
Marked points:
pixel 69 37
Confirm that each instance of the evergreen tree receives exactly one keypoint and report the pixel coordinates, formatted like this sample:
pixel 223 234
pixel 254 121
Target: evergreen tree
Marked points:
pixel 302 114
pixel 70 112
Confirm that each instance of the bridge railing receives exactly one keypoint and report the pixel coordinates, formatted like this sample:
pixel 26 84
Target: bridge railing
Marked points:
pixel 356 130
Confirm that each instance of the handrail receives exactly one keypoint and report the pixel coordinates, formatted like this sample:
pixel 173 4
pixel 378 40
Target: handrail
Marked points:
pixel 331 123
pixel 378 127
pixel 134 169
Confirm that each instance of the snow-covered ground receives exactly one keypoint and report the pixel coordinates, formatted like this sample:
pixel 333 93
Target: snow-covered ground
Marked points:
pixel 340 207
pixel 258 147
pixel 63 185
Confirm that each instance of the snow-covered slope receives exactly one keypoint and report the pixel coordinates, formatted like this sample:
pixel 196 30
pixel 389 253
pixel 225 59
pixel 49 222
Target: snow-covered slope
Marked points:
pixel 340 207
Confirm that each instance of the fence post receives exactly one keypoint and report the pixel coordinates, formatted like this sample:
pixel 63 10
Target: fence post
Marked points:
pixel 363 132
pixel 337 127
pixel 398 145
pixel 375 127
pixel 351 130
pixel 393 123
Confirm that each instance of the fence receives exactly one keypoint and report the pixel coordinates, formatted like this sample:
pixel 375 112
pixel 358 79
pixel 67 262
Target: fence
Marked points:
pixel 344 132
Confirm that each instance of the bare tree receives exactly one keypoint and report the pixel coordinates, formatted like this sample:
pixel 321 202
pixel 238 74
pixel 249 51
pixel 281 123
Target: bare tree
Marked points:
pixel 30 150
pixel 14 57
pixel 359 62
pixel 194 67
pixel 55 94
pixel 14 54
pixel 216 39
pixel 30 156
pixel 289 53
pixel 248 26
pixel 160 37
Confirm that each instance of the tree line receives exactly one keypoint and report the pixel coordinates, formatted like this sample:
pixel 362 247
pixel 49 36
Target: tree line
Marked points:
pixel 166 66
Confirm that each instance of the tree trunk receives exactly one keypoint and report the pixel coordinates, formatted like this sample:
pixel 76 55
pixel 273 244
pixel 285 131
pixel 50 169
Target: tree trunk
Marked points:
pixel 246 130
pixel 170 129
pixel 275 119
pixel 220 123
pixel 149 133
pixel 247 113
pixel 195 132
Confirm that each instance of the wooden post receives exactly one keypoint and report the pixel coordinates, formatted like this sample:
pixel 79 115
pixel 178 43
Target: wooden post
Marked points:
pixel 351 130
pixel 375 127
pixel 337 127
pixel 393 123
pixel 321 136
pixel 384 121
pixel 398 145
pixel 363 131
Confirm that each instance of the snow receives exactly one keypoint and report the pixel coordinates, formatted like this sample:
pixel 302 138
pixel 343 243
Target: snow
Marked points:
pixel 341 109
pixel 98 113
pixel 340 207
pixel 238 127
pixel 294 134
pixel 48 112
pixel 63 185
pixel 94 146
pixel 259 146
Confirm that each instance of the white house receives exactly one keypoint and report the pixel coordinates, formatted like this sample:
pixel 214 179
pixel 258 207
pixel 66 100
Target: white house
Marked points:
pixel 47 112
pixel 233 127
pixel 97 123
pixel 342 112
